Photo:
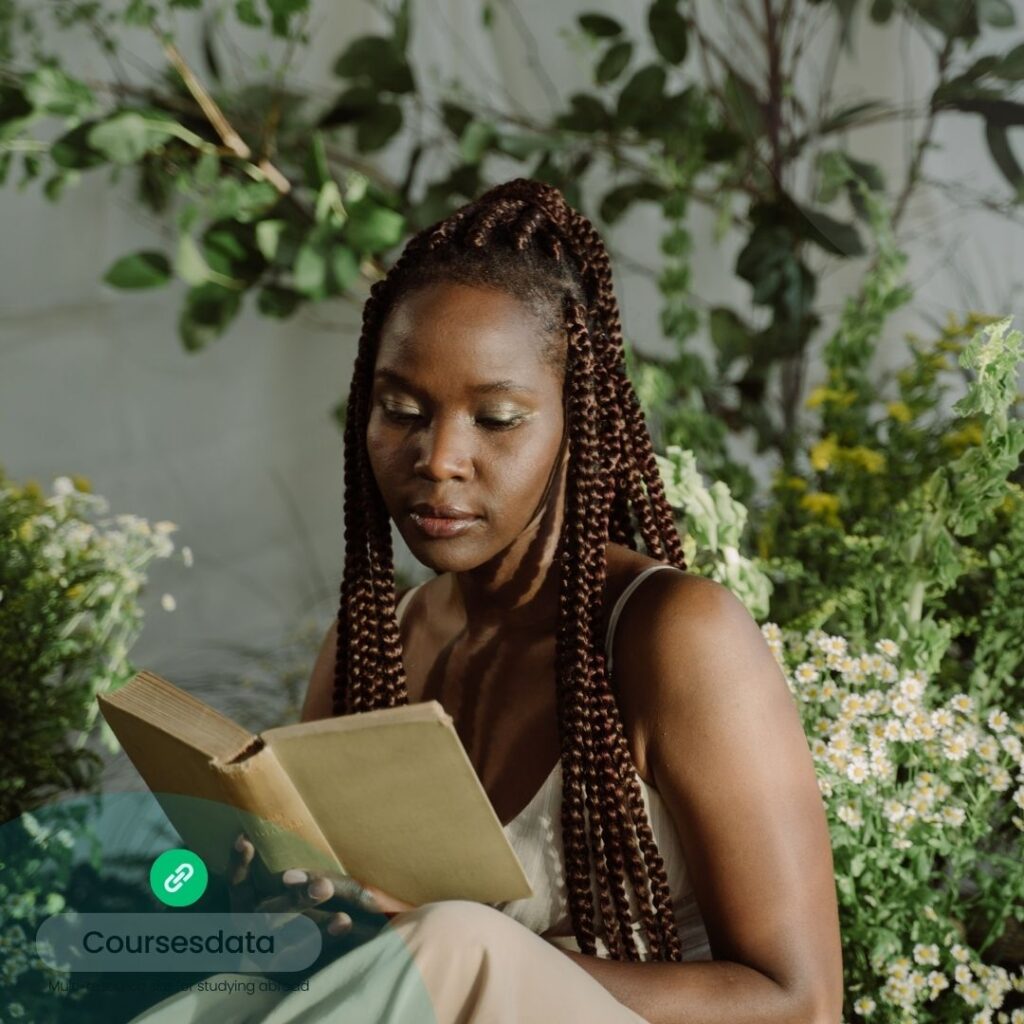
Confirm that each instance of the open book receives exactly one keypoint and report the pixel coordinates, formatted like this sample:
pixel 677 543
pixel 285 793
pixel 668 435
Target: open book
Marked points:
pixel 387 796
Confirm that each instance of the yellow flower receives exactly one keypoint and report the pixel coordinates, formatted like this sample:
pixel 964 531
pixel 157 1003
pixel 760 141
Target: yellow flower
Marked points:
pixel 969 434
pixel 82 483
pixel 33 490
pixel 900 411
pixel 816 397
pixel 27 531
pixel 820 395
pixel 821 505
pixel 74 592
pixel 868 459
pixel 823 453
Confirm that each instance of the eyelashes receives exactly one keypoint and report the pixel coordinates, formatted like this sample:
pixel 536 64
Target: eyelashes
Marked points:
pixel 487 422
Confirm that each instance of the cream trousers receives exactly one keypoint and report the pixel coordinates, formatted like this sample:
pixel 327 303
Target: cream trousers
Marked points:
pixel 449 962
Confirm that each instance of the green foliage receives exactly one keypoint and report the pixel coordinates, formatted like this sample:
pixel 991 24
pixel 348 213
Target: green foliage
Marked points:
pixel 69 613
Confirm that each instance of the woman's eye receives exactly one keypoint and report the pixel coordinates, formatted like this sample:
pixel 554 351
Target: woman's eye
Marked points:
pixel 493 424
pixel 398 415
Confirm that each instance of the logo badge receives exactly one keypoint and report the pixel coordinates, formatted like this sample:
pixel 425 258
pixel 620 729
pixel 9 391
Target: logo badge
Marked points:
pixel 178 878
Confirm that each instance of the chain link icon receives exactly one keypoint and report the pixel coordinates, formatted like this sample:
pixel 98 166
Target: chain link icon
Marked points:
pixel 174 881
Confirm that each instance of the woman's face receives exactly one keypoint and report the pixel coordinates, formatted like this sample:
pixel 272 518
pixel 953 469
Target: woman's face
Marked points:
pixel 464 412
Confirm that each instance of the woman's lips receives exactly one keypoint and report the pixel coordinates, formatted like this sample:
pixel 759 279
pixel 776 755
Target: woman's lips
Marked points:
pixel 437 527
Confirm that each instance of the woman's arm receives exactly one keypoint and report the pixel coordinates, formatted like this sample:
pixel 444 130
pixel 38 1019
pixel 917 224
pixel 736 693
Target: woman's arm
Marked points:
pixel 728 755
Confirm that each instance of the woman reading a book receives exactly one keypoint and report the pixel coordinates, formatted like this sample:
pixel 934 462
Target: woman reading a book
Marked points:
pixel 630 726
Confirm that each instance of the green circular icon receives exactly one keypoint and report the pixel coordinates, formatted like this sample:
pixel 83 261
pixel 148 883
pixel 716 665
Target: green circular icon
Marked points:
pixel 178 877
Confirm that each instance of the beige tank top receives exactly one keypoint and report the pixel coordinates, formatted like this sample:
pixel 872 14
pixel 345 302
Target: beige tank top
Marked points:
pixel 536 836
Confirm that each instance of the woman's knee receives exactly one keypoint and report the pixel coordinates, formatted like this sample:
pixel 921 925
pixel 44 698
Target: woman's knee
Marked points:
pixel 456 922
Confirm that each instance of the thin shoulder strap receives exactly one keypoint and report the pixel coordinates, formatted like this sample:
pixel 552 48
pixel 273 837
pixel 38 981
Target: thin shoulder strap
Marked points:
pixel 613 619
pixel 400 610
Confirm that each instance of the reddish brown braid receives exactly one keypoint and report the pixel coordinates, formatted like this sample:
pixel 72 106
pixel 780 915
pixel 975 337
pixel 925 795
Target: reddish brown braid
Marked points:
pixel 524 238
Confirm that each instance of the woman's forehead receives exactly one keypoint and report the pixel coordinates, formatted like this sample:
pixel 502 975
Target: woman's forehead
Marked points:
pixel 484 336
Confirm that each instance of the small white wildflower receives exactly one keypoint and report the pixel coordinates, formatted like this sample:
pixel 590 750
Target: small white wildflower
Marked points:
pixel 888 647
pixel 850 815
pixel 888 673
pixel 857 770
pixel 865 1006
pixel 961 702
pixel 955 747
pixel 835 645
pixel 168 602
pixel 164 526
pixel 911 687
pixel 805 672
pixel 998 720
pixel 63 486
pixel 1012 746
pixel 954 815
pixel 186 556
pixel 902 706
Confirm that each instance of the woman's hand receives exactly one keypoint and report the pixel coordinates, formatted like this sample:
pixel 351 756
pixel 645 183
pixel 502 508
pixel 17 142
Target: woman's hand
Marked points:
pixel 306 890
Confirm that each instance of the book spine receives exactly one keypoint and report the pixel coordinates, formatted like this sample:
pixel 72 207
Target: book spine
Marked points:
pixel 274 816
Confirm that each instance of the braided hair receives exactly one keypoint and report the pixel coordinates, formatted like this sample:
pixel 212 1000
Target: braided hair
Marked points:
pixel 522 237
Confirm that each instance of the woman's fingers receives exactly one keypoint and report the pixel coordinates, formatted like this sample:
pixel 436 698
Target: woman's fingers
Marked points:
pixel 307 889
pixel 241 893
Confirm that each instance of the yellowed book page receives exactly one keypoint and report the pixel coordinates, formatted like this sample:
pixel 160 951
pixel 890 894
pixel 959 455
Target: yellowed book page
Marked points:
pixel 399 802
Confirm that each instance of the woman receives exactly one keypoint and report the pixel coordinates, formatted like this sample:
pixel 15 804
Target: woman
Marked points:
pixel 667 812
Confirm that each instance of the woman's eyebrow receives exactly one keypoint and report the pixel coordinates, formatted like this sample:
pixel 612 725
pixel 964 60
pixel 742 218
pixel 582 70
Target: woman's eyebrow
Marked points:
pixel 491 387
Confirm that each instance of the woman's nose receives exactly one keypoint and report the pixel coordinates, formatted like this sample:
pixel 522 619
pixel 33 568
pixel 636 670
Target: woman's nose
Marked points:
pixel 444 451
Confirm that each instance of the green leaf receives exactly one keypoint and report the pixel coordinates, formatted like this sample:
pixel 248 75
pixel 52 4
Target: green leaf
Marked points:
pixel 281 13
pixel 1011 66
pixel 207 171
pixel 354 104
pixel 127 137
pixel 278 302
pixel 730 334
pixel 72 150
pixel 15 111
pixel 268 237
pixel 51 91
pixel 522 146
pixel 599 25
pixel 475 141
pixel 668 31
pixel 189 263
pixel 455 117
pixel 743 106
pixel 139 270
pixel 619 199
pixel 378 60
pixel 373 133
pixel 247 13
pixel 372 228
pixel 641 95
pixel 345 266
pixel 847 116
pixel 614 62
pixel 310 270
pixel 998 13
pixel 587 114
pixel 882 11
pixel 1003 156
pixel 209 309
pixel 832 235
pixel 403 25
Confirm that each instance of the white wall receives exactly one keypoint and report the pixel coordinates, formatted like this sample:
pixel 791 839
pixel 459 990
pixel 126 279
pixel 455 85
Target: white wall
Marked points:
pixel 236 443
